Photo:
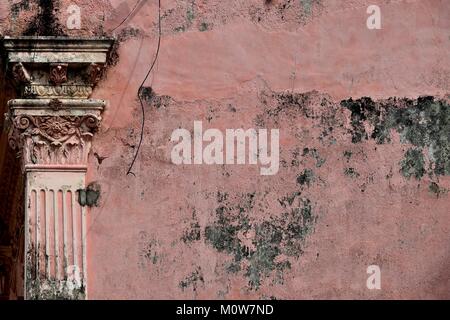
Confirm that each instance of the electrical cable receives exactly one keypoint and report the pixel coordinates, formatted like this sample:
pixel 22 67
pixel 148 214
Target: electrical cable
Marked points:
pixel 140 89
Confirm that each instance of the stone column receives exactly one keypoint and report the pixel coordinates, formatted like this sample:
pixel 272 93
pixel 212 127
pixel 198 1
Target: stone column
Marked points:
pixel 51 126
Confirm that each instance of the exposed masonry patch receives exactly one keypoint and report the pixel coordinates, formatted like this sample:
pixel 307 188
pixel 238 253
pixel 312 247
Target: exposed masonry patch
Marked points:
pixel 260 248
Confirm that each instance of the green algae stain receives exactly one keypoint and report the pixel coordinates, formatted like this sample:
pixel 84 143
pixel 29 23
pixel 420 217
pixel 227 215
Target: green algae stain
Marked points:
pixel 413 164
pixel 436 190
pixel 424 123
pixel 351 172
pixel 306 177
pixel 273 242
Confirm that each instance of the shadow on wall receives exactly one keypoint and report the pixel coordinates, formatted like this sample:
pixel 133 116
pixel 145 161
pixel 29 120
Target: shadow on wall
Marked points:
pixel 11 205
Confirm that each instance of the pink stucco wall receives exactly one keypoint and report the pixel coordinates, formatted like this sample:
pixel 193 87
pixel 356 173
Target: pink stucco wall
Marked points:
pixel 172 231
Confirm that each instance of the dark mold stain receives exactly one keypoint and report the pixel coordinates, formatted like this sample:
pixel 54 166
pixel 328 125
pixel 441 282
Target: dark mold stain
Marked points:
pixel 319 109
pixel 148 250
pixel 347 155
pixel 306 177
pixel 40 288
pixel 193 280
pixel 203 27
pixel 16 8
pixel 54 290
pixel 435 189
pixel 99 158
pixel 351 172
pixel 315 155
pixel 124 35
pixel 289 199
pixel 361 110
pixel 424 123
pixel 193 232
pixel 286 10
pixel 128 33
pixel 148 95
pixel 297 102
pixel 45 22
pixel 273 241
pixel 413 164
pixel 231 108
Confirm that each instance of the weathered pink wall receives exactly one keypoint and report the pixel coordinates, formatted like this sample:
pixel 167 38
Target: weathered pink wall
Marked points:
pixel 260 64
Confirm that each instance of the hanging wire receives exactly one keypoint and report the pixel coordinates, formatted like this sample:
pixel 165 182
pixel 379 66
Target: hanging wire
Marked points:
pixel 140 90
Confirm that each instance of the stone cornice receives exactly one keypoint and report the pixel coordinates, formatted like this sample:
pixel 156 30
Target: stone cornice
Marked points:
pixel 61 49
pixel 55 67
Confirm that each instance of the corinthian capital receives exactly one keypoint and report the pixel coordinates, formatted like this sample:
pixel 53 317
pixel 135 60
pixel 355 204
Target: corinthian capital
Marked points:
pixel 53 121
pixel 52 139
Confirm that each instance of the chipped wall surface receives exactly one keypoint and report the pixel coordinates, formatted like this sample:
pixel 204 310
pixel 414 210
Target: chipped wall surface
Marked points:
pixel 364 122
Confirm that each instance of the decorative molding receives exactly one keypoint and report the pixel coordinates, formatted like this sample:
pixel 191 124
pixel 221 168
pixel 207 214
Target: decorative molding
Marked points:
pixel 52 67
pixel 64 91
pixel 95 73
pixel 53 131
pixel 58 73
pixel 53 139
pixel 51 126
pixel 20 74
